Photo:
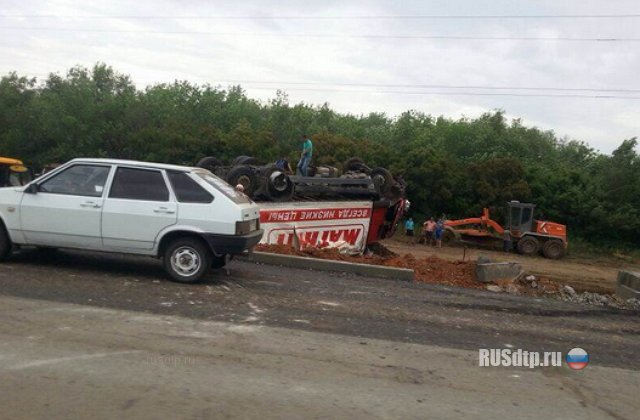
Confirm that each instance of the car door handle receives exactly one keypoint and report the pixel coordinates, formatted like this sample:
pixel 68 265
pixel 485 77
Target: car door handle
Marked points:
pixel 91 204
pixel 163 210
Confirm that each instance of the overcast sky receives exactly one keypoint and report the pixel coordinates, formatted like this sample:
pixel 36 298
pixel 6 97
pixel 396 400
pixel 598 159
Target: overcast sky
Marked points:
pixel 268 54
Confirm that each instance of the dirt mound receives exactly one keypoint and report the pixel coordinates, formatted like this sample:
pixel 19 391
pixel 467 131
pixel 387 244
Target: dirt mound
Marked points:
pixel 432 270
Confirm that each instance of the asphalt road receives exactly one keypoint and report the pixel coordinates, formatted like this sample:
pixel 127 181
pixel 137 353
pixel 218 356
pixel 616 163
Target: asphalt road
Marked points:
pixel 108 336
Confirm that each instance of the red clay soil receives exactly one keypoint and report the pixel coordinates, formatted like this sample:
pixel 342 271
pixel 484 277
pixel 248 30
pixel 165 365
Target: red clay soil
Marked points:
pixel 431 269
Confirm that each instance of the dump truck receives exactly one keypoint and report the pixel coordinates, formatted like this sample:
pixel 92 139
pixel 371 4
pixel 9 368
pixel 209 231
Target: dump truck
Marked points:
pixel 529 235
pixel 351 208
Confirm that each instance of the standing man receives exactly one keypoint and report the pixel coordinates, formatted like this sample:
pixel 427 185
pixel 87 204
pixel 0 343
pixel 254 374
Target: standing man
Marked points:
pixel 429 231
pixel 305 156
pixel 507 244
pixel 408 227
pixel 439 232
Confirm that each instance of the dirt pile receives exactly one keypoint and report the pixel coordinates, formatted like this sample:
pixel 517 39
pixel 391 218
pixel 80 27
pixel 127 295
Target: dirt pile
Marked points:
pixel 431 269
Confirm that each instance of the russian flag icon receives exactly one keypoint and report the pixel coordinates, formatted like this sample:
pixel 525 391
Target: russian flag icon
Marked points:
pixel 577 358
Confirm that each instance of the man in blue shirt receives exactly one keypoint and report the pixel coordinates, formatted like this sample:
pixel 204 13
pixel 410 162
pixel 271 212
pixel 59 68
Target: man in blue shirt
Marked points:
pixel 408 226
pixel 305 156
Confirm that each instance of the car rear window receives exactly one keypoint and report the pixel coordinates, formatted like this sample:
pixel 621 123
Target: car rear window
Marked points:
pixel 187 190
pixel 223 187
pixel 139 184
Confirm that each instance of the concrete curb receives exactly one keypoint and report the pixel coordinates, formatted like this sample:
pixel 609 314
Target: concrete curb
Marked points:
pixel 402 274
pixel 628 285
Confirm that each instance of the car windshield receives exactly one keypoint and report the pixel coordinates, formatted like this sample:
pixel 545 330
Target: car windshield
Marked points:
pixel 223 187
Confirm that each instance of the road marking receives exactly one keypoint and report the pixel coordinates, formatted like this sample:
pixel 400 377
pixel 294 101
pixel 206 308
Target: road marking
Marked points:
pixel 255 308
pixel 328 303
pixel 38 363
pixel 251 319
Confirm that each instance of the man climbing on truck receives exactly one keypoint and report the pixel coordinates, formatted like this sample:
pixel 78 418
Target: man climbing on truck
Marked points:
pixel 305 156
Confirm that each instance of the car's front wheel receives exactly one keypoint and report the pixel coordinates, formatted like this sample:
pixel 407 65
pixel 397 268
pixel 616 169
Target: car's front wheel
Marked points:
pixel 187 260
pixel 5 243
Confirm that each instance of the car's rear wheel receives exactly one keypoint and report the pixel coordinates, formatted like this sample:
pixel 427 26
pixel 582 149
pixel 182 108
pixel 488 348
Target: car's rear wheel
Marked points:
pixel 5 244
pixel 187 260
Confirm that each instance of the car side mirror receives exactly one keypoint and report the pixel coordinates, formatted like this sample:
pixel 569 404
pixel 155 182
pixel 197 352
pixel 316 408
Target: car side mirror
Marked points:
pixel 31 189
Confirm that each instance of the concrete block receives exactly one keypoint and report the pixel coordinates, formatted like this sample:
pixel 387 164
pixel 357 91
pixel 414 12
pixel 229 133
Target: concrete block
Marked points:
pixel 630 279
pixel 628 285
pixel 369 270
pixel 483 259
pixel 492 272
pixel 625 292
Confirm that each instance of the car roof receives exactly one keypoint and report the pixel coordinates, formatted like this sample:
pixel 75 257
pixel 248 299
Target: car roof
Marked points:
pixel 138 163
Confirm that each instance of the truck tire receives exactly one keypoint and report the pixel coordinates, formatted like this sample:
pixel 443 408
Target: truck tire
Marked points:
pixel 528 245
pixel 355 164
pixel 553 249
pixel 383 180
pixel 187 260
pixel 277 184
pixel 244 160
pixel 245 176
pixel 5 243
pixel 209 163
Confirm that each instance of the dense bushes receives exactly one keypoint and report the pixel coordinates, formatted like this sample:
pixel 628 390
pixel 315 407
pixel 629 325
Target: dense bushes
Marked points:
pixel 451 166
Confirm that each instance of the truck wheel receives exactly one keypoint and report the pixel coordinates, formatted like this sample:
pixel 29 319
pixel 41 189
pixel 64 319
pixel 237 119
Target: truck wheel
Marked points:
pixel 244 176
pixel 5 243
pixel 209 163
pixel 528 245
pixel 277 184
pixel 382 179
pixel 355 164
pixel 553 249
pixel 187 260
pixel 244 160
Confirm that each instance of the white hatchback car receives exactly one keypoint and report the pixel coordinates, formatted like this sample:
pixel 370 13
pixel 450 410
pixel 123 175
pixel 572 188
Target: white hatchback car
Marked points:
pixel 187 216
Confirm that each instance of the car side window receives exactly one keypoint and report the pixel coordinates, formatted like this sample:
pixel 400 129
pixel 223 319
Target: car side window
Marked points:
pixel 83 180
pixel 187 190
pixel 139 184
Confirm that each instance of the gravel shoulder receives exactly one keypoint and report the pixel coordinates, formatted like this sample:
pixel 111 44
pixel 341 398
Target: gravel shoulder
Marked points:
pixel 590 275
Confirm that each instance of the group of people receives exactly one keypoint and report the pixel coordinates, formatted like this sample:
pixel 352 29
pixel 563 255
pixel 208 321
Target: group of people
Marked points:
pixel 432 230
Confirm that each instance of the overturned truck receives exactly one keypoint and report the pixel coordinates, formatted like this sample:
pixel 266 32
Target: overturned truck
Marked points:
pixel 350 207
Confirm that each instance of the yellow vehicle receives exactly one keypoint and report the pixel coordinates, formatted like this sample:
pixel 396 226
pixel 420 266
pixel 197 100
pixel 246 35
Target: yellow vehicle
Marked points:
pixel 13 173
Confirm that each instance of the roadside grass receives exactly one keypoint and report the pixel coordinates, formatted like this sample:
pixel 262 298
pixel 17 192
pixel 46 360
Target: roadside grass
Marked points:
pixel 581 248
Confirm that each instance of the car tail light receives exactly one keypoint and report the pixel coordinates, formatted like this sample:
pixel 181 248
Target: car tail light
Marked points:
pixel 248 226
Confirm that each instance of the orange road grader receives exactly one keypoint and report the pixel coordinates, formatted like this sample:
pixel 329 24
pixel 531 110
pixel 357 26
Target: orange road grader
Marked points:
pixel 528 235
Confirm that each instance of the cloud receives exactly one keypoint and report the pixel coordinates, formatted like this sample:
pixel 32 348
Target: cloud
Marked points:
pixel 216 58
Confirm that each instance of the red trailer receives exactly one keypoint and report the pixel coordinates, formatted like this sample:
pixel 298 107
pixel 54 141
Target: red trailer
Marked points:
pixel 329 224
